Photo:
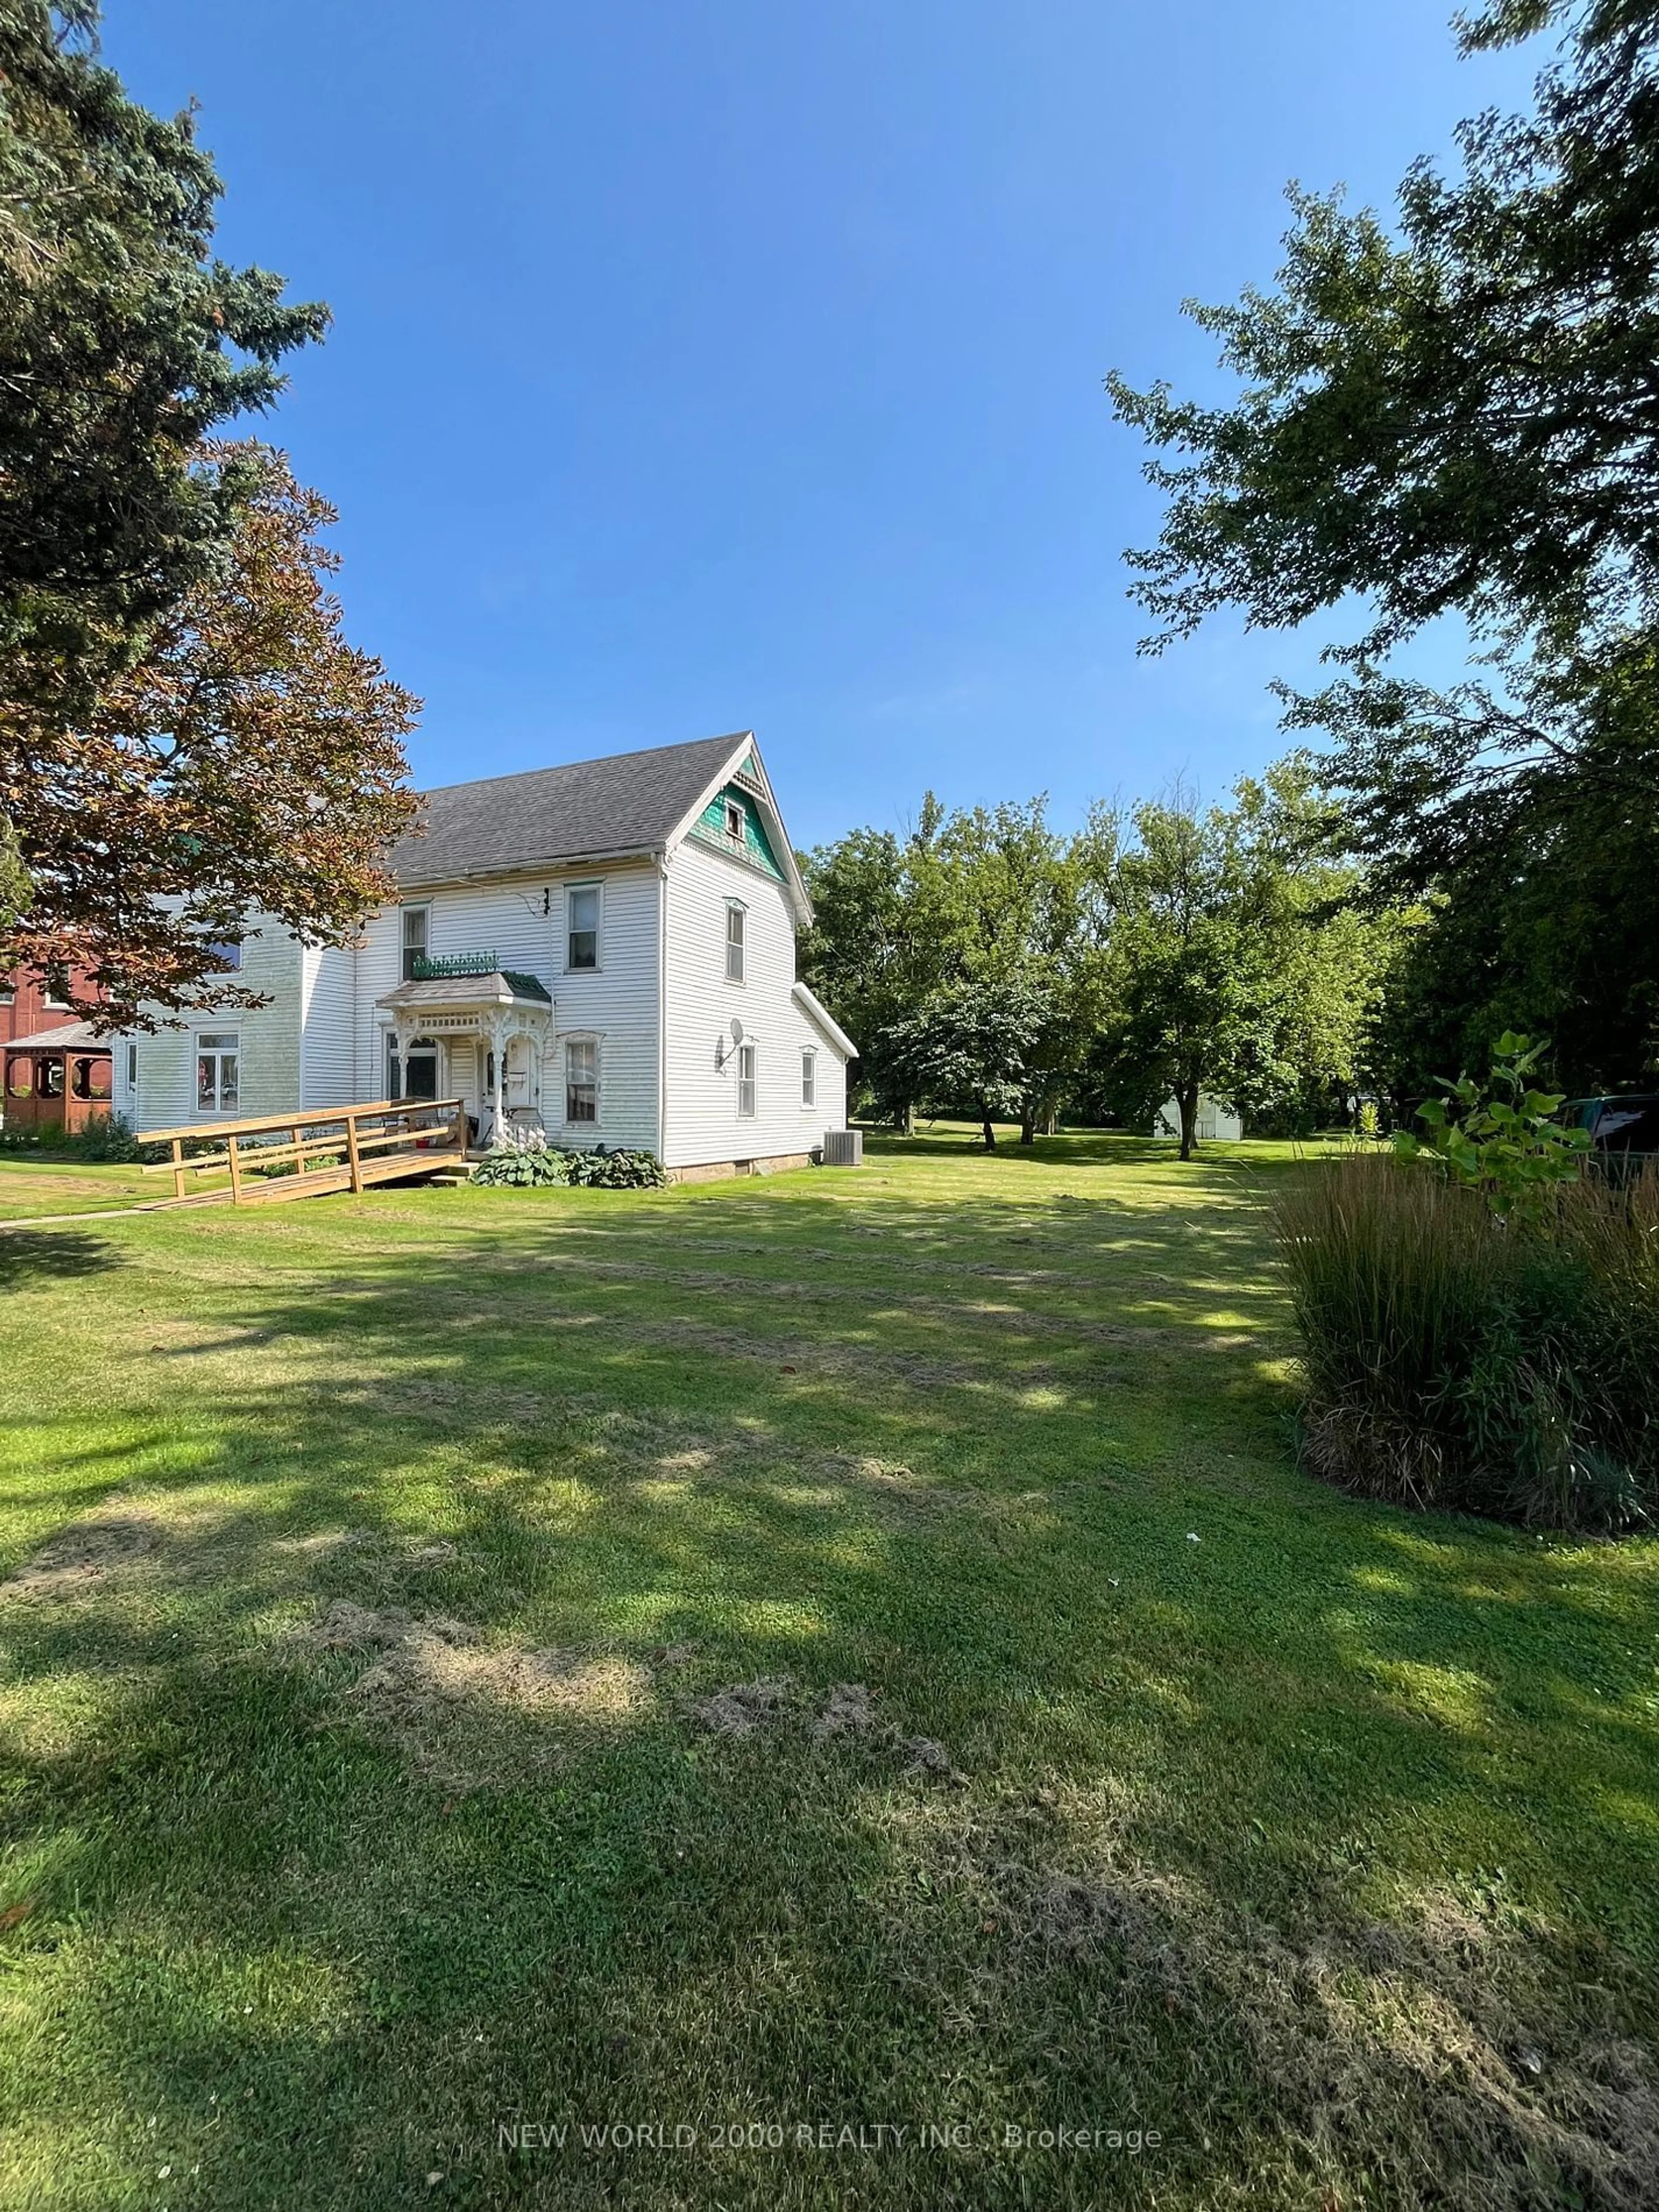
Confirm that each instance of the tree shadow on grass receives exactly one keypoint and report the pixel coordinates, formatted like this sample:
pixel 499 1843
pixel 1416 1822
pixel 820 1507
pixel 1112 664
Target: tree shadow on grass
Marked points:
pixel 28 1255
pixel 1215 1867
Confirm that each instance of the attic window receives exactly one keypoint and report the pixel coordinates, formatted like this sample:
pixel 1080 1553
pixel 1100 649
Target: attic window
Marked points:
pixel 733 821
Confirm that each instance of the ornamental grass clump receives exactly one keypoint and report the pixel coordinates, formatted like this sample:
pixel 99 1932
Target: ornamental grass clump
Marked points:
pixel 1480 1314
pixel 1505 1364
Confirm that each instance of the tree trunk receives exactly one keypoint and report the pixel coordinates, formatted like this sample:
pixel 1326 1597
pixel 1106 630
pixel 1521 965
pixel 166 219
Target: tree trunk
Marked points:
pixel 1187 1099
pixel 1028 1122
pixel 990 1134
pixel 1051 1122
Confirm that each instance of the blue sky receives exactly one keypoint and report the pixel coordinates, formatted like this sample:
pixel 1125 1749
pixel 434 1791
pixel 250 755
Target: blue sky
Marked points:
pixel 738 364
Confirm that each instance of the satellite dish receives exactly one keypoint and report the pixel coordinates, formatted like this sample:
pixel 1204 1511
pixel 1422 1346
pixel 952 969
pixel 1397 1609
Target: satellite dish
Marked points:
pixel 737 1031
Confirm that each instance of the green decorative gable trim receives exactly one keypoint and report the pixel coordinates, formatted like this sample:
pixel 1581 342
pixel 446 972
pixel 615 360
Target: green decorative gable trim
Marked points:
pixel 428 966
pixel 709 829
pixel 453 966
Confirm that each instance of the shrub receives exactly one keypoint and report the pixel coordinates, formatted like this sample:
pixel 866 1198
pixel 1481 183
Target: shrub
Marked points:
pixel 106 1137
pixel 618 1170
pixel 31 1141
pixel 512 1169
pixel 515 1168
pixel 1500 1138
pixel 1455 1357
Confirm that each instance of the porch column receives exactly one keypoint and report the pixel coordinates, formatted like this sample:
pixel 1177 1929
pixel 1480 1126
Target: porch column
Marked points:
pixel 403 1037
pixel 498 1036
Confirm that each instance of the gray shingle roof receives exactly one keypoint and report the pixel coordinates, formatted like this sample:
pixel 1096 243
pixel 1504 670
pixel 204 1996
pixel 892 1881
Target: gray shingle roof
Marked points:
pixel 68 1036
pixel 630 802
pixel 498 990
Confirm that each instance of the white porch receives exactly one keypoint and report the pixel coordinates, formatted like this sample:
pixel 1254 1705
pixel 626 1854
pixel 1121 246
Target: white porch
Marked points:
pixel 478 1034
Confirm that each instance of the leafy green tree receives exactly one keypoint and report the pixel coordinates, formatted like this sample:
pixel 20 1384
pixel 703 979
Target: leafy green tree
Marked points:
pixel 1458 414
pixel 16 886
pixel 1235 963
pixel 880 939
pixel 1016 900
pixel 1523 825
pixel 184 735
pixel 983 894
pixel 972 1042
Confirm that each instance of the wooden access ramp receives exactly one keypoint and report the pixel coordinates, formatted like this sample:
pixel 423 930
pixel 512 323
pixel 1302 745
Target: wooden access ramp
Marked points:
pixel 267 1161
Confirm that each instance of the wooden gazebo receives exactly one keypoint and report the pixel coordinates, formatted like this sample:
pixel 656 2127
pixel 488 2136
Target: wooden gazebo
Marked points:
pixel 58 1078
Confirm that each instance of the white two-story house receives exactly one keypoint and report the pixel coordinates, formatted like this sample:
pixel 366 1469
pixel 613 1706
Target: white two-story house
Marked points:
pixel 606 950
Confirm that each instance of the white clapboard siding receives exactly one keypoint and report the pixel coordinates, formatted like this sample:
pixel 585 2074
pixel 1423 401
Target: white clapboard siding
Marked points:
pixel 829 1073
pixel 329 1072
pixel 269 1036
pixel 523 923
pixel 658 1009
pixel 703 1124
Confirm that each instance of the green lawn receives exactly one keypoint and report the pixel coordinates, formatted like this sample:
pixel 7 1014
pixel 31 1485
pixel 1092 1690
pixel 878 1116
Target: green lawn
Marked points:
pixel 845 1651
pixel 32 1189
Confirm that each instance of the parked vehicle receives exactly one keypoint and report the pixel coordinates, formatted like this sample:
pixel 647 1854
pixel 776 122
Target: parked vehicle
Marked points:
pixel 1624 1128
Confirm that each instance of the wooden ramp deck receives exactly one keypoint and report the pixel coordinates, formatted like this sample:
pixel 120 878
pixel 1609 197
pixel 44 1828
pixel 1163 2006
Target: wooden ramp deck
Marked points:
pixel 270 1160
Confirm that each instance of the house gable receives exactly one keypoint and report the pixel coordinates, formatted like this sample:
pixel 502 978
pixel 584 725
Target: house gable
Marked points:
pixel 764 843
pixel 754 845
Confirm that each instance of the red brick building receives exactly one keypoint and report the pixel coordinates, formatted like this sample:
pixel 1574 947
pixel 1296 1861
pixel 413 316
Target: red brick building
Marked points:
pixel 57 1073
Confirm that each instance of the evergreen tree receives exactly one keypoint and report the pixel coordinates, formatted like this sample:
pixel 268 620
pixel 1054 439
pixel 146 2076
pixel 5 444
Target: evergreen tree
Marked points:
pixel 123 345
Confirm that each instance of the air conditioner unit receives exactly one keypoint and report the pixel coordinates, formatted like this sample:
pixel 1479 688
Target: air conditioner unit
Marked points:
pixel 843 1148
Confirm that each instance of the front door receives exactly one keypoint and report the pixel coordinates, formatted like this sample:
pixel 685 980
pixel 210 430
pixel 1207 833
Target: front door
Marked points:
pixel 417 1076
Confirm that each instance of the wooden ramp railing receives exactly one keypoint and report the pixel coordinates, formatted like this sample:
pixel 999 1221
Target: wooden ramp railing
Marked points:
pixel 283 1156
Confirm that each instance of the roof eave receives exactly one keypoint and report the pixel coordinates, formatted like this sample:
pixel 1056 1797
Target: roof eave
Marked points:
pixel 826 1021
pixel 502 870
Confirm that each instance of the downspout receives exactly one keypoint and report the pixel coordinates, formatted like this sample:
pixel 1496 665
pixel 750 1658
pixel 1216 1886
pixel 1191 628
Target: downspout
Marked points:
pixel 662 1006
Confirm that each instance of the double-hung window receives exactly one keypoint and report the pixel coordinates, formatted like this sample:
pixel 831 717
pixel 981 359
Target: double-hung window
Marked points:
pixel 227 951
pixel 582 915
pixel 581 1079
pixel 734 821
pixel 218 1053
pixel 415 922
pixel 809 1080
pixel 746 1082
pixel 735 919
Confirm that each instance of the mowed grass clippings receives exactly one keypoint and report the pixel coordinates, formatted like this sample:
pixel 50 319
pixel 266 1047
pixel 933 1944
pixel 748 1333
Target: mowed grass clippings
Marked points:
pixel 843 1667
